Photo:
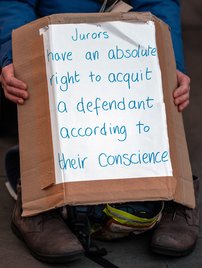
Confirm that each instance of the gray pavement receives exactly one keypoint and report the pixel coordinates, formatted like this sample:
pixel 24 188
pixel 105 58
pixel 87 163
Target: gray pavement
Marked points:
pixel 133 252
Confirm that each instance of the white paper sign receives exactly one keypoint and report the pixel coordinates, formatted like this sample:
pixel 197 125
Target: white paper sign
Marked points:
pixel 107 111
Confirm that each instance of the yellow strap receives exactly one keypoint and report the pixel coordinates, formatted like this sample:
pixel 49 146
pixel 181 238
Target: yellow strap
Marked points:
pixel 129 219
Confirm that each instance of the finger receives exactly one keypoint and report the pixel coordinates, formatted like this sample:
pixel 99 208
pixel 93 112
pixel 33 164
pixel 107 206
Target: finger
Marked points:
pixel 9 77
pixel 181 99
pixel 14 99
pixel 181 91
pixel 182 78
pixel 14 82
pixel 182 106
pixel 16 92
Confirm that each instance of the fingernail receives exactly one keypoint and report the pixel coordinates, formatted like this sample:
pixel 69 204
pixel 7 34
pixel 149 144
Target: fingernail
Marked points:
pixel 176 101
pixel 20 101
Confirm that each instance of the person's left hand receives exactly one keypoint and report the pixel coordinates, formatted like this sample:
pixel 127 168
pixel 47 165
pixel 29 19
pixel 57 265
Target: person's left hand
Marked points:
pixel 182 93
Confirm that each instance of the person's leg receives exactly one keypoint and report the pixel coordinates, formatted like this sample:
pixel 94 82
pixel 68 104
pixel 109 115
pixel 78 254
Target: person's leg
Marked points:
pixel 8 117
pixel 12 166
pixel 178 231
pixel 46 235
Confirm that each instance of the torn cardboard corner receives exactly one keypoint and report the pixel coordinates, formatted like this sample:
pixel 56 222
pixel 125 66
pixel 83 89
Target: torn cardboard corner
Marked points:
pixel 100 125
pixel 119 6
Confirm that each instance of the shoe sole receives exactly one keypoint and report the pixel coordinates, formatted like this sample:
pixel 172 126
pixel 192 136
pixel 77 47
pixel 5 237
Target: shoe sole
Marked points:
pixel 48 259
pixel 171 252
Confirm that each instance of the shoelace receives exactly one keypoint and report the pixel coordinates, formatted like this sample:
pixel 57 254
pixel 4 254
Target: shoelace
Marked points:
pixel 176 209
pixel 181 211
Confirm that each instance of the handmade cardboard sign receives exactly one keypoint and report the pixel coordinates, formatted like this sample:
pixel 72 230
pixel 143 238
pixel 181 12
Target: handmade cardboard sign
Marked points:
pixel 107 110
pixel 100 119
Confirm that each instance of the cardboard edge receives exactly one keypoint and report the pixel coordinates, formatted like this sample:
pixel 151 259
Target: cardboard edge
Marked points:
pixel 20 68
pixel 184 191
pixel 46 184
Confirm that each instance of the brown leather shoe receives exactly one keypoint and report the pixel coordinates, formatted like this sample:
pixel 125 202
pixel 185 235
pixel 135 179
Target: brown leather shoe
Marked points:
pixel 178 231
pixel 46 235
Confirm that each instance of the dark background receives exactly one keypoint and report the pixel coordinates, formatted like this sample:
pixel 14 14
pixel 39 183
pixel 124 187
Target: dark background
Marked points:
pixel 133 252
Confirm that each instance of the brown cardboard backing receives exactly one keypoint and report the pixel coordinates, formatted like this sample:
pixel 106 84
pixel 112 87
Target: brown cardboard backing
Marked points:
pixel 36 151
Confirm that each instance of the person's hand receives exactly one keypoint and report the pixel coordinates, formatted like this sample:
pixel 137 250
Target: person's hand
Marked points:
pixel 182 93
pixel 14 90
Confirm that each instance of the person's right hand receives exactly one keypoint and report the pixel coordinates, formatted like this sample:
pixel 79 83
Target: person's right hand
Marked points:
pixel 14 90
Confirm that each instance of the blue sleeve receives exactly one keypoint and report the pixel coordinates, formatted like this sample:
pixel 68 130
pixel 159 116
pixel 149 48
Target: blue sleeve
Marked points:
pixel 16 13
pixel 169 12
pixel 13 14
